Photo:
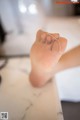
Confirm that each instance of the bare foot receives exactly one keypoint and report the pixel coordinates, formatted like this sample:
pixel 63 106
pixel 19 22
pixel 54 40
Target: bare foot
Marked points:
pixel 45 53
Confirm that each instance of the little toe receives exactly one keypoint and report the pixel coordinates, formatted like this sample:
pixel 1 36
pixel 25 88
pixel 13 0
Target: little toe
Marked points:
pixel 38 35
pixel 43 37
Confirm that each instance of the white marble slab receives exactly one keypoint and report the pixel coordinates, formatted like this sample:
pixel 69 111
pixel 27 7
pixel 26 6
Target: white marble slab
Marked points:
pixel 21 100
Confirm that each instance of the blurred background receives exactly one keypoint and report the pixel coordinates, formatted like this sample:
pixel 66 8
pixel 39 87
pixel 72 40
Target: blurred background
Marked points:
pixel 19 22
pixel 20 19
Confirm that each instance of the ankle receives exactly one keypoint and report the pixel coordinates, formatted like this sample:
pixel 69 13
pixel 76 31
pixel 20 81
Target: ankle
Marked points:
pixel 38 79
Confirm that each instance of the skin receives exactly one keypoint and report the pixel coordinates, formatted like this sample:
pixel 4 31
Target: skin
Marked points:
pixel 47 57
pixel 45 54
pixel 68 60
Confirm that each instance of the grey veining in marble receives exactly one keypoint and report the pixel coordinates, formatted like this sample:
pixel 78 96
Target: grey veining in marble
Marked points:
pixel 21 100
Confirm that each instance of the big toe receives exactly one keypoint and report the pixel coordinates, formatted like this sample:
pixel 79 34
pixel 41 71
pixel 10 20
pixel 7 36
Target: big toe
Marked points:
pixel 63 43
pixel 59 45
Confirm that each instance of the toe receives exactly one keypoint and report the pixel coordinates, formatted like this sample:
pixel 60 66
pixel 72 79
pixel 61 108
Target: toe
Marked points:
pixel 55 36
pixel 63 43
pixel 55 46
pixel 49 39
pixel 59 45
pixel 38 35
pixel 43 37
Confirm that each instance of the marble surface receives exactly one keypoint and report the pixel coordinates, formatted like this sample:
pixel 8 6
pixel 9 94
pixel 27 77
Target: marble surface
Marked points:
pixel 21 100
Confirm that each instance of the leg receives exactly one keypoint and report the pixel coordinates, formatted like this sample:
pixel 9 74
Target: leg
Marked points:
pixel 68 60
pixel 45 54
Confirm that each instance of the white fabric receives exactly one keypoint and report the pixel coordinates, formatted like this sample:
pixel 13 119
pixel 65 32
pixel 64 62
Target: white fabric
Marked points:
pixel 68 83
